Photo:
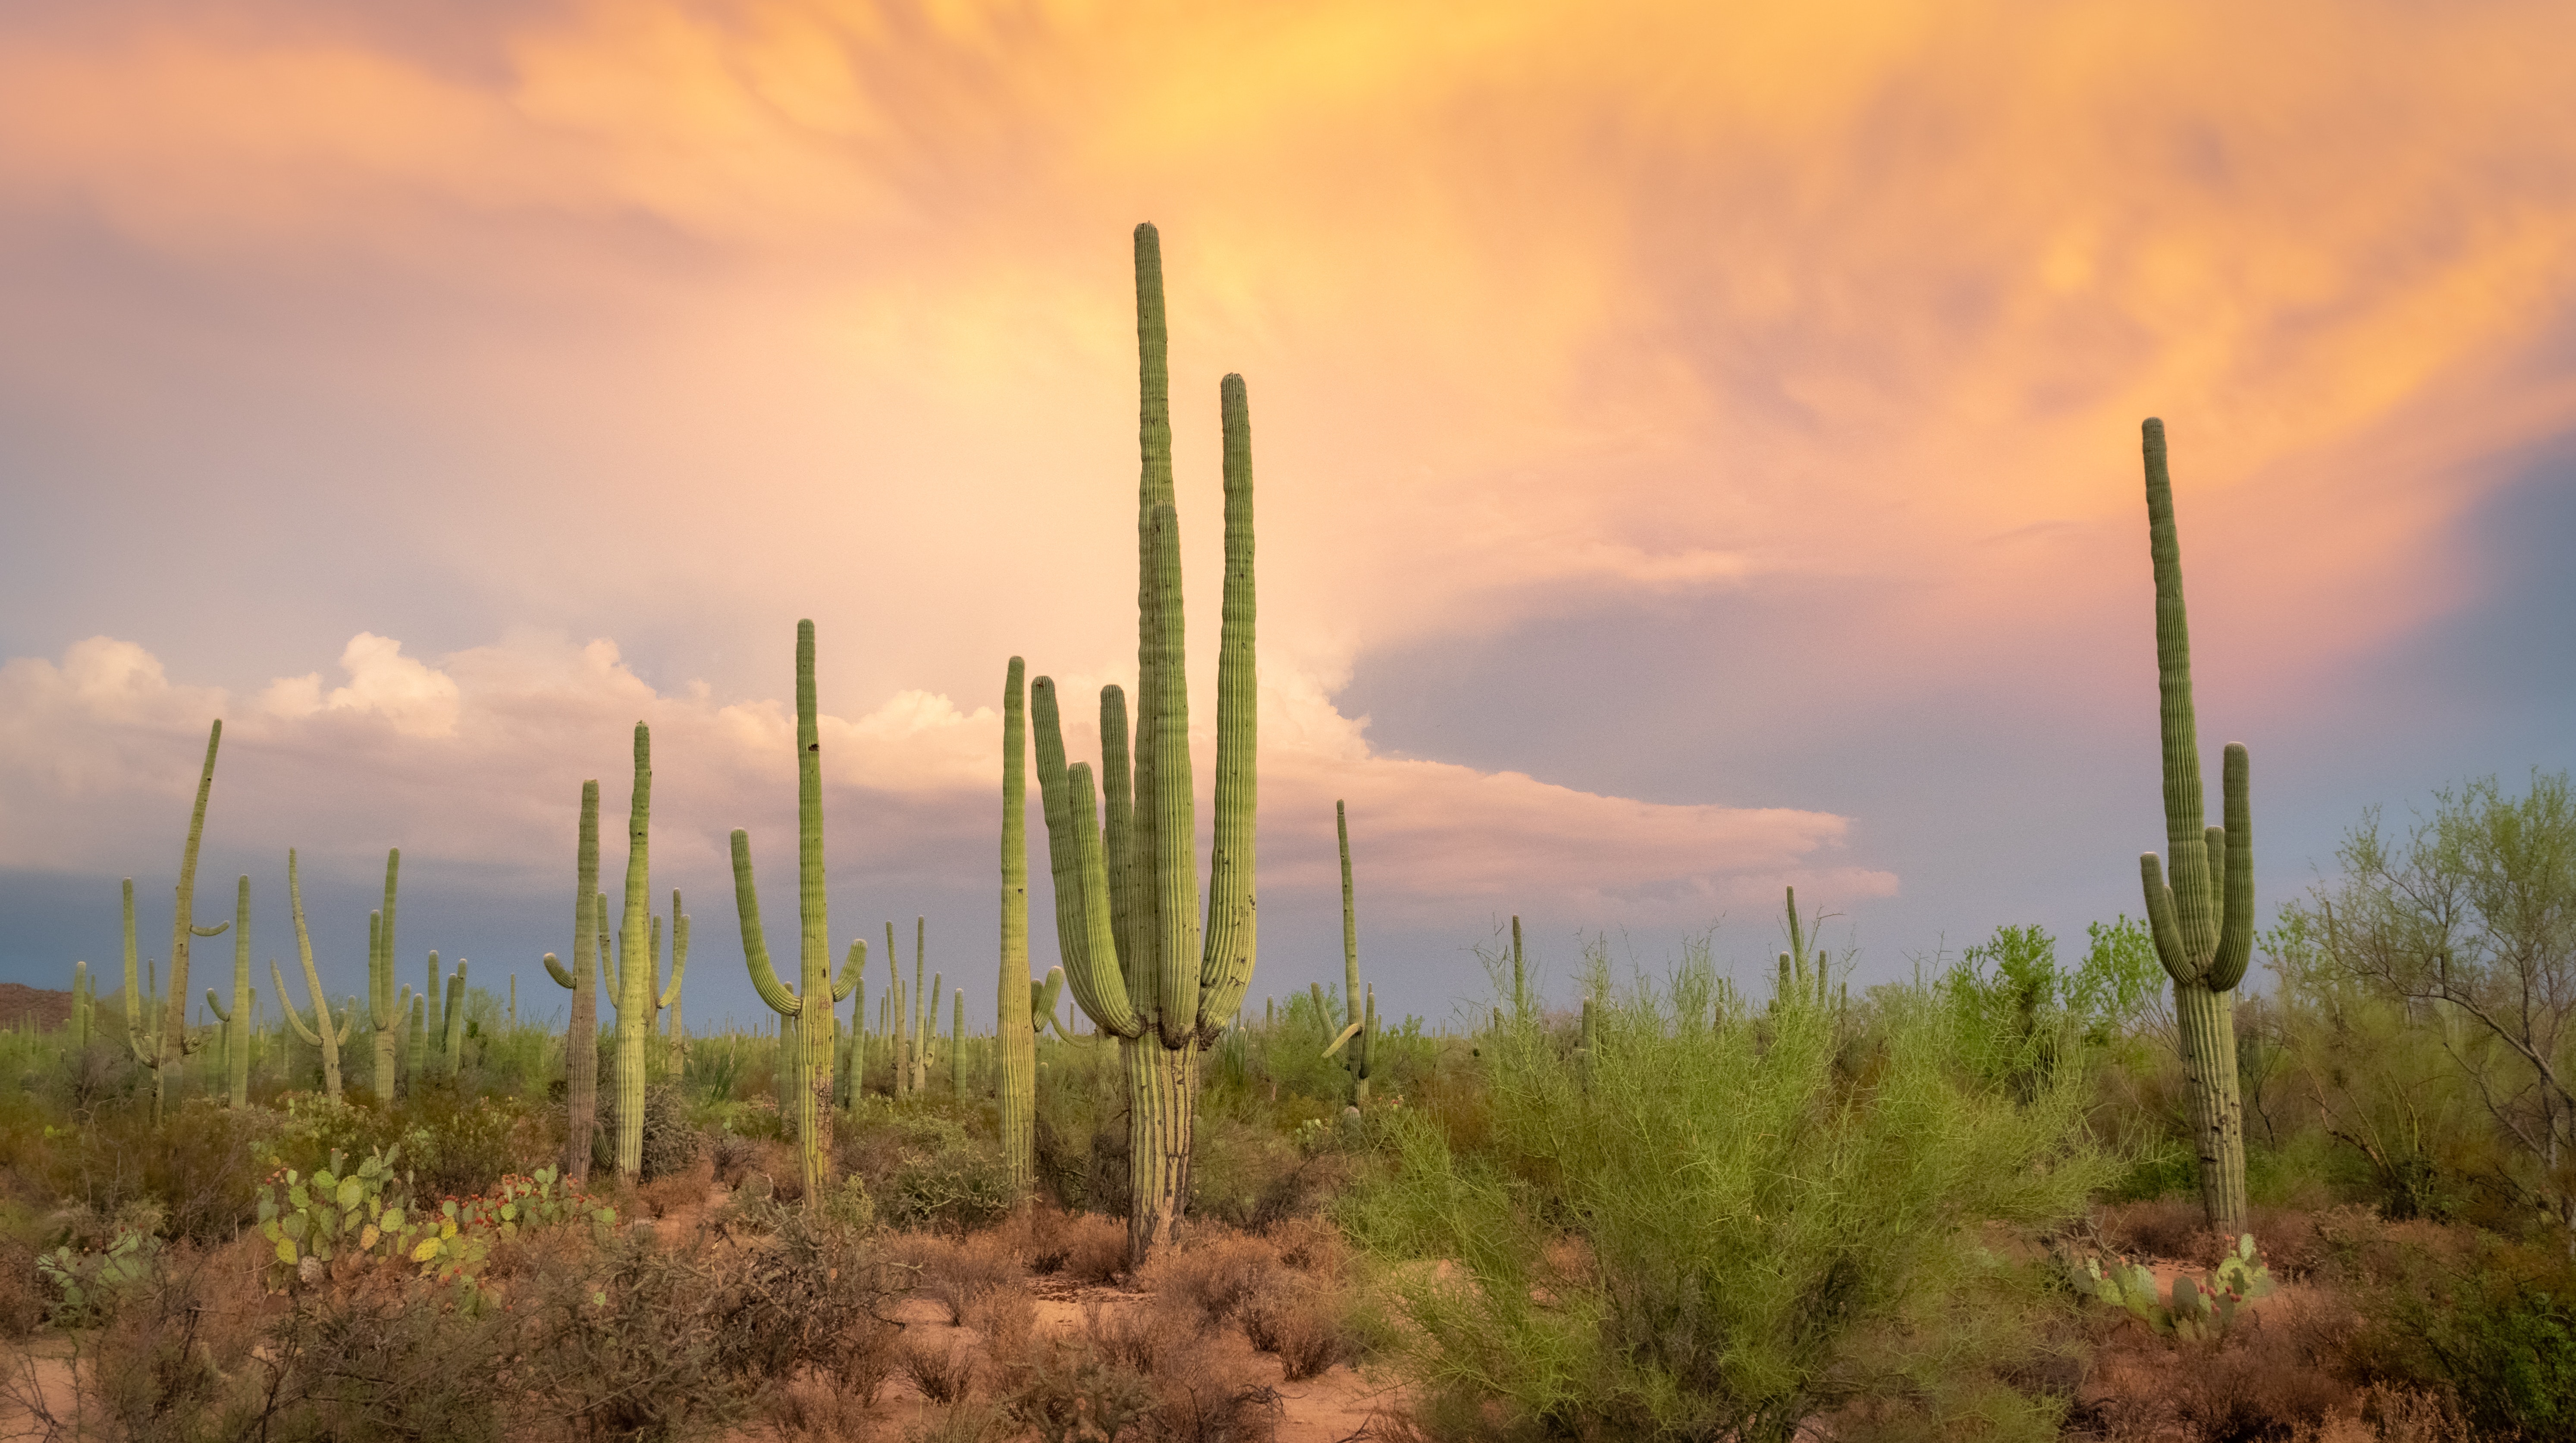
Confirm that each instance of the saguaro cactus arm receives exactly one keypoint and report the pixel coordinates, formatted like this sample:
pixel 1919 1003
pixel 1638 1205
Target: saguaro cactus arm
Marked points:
pixel 679 951
pixel 1083 931
pixel 295 1018
pixel 755 946
pixel 854 970
pixel 451 1033
pixel 1232 935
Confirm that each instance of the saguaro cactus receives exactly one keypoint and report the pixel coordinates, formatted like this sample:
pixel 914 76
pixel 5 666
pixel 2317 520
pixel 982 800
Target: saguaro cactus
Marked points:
pixel 636 1001
pixel 385 1006
pixel 581 1036
pixel 450 1037
pixel 321 1034
pixel 1360 1031
pixel 164 1041
pixel 1014 1008
pixel 810 1007
pixel 236 1018
pixel 83 1001
pixel 670 996
pixel 2203 922
pixel 898 1031
pixel 1127 917
pixel 916 1047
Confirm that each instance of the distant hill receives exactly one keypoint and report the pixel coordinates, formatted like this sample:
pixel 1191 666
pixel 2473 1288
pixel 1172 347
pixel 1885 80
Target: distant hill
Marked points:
pixel 48 1007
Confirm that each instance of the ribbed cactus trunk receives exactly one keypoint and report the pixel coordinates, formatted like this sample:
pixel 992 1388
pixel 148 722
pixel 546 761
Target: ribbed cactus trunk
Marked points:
pixel 323 1035
pixel 81 1002
pixel 431 992
pixel 2203 922
pixel 1128 918
pixel 1015 1038
pixel 811 1007
pixel 384 1007
pixel 416 1048
pixel 635 999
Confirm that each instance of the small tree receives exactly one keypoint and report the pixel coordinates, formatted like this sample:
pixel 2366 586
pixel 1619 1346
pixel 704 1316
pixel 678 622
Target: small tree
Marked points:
pixel 2468 921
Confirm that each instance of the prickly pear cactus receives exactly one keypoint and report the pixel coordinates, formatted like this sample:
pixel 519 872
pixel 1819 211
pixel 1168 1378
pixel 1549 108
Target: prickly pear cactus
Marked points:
pixel 2195 1310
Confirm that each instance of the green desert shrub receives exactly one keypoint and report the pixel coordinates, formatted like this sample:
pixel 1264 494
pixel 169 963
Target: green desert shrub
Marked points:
pixel 1725 1220
pixel 672 1141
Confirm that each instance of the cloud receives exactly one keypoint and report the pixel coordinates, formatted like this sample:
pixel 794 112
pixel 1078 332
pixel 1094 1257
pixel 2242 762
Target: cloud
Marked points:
pixel 416 700
pixel 1539 306
pixel 479 757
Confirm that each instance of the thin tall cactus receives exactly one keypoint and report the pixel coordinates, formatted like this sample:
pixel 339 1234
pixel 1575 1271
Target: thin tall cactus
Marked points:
pixel 1014 1006
pixel 385 1005
pixel 637 1004
pixel 1360 1030
pixel 811 1006
pixel 670 996
pixel 322 1034
pixel 160 1044
pixel 916 1052
pixel 2203 922
pixel 236 1018
pixel 450 1038
pixel 84 1001
pixel 581 1036
pixel 1127 918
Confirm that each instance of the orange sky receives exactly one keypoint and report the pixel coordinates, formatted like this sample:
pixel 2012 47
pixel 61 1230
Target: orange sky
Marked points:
pixel 668 323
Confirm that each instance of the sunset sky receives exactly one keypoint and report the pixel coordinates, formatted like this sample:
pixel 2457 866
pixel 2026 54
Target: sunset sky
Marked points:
pixel 1697 449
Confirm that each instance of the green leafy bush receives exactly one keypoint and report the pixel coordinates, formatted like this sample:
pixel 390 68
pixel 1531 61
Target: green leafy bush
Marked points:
pixel 1727 1222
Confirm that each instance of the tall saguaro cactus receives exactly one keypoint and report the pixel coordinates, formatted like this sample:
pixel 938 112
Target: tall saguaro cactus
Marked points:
pixel 1014 1009
pixel 321 1034
pixel 160 1045
pixel 2203 921
pixel 636 1003
pixel 810 1007
pixel 385 1007
pixel 581 1034
pixel 1127 918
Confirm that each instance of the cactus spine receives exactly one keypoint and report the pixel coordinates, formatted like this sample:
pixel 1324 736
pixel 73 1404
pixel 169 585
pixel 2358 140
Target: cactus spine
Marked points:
pixel 322 1034
pixel 581 1037
pixel 1127 911
pixel 2203 922
pixel 810 1008
pixel 1014 1006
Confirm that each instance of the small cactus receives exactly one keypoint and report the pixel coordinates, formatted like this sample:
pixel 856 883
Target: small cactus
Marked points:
pixel 2196 1310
